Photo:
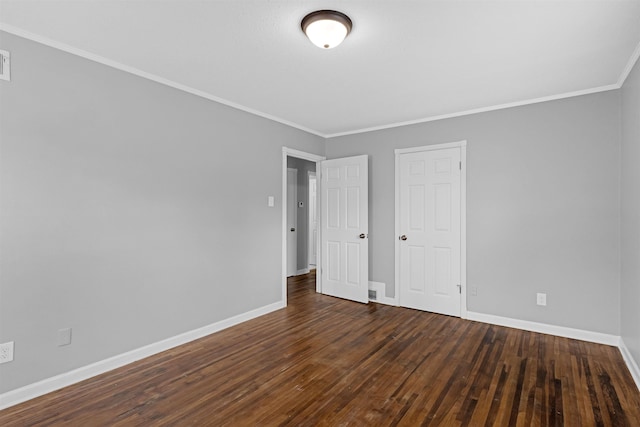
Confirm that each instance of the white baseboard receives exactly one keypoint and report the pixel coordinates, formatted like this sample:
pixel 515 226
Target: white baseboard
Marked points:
pixel 631 363
pixel 48 385
pixel 562 331
pixel 380 289
pixel 544 328
pixel 303 271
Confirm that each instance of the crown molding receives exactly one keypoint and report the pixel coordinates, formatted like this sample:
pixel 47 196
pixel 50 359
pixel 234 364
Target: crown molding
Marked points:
pixel 140 73
pixel 630 64
pixel 479 110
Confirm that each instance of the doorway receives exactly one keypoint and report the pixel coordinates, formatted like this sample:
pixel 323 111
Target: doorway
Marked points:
pixel 298 215
pixel 342 233
pixel 290 157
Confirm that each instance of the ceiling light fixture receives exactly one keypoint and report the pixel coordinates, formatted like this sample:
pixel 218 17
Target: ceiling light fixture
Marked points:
pixel 326 28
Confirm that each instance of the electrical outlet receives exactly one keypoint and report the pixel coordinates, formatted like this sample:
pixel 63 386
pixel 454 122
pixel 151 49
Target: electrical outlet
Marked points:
pixel 541 299
pixel 64 337
pixel 474 291
pixel 6 352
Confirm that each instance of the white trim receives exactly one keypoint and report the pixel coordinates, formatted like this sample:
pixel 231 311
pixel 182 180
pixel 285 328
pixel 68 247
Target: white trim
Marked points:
pixel 309 229
pixel 318 228
pixel 544 328
pixel 442 146
pixel 110 63
pixel 57 382
pixel 122 67
pixel 396 235
pixel 302 271
pixel 291 152
pixel 562 331
pixel 381 296
pixel 463 228
pixel 286 152
pixel 463 215
pixel 627 69
pixel 631 363
pixel 477 110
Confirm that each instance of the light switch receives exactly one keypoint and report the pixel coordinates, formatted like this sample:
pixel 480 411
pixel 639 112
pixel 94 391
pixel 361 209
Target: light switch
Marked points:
pixel 270 201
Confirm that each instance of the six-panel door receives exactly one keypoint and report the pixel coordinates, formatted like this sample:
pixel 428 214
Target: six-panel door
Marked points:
pixel 345 227
pixel 430 247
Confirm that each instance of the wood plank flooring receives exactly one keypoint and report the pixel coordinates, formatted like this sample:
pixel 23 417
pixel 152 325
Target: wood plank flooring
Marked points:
pixel 328 362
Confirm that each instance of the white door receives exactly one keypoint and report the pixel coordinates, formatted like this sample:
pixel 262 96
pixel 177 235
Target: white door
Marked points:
pixel 430 230
pixel 345 227
pixel 292 222
pixel 313 221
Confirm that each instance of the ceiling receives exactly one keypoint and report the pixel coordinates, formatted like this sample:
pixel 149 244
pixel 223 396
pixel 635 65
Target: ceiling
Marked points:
pixel 404 61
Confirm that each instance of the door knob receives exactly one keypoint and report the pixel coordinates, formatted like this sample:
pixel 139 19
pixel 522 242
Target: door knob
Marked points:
pixel 362 235
pixel 403 237
pixel 293 229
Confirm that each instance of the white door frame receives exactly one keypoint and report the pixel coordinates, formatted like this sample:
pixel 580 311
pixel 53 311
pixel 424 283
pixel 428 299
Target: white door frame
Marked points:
pixel 292 222
pixel 463 215
pixel 290 152
pixel 310 230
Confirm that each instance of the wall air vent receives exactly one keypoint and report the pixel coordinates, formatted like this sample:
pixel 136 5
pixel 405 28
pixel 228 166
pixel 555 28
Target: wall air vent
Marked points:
pixel 373 295
pixel 5 65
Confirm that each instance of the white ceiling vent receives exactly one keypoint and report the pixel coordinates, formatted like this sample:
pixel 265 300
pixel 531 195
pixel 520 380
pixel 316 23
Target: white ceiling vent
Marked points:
pixel 5 65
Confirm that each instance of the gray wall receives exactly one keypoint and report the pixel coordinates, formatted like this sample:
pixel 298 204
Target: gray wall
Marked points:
pixel 303 167
pixel 130 211
pixel 630 179
pixel 542 207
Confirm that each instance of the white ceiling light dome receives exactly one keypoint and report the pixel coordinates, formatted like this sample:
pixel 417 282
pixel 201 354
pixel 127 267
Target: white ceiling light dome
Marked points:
pixel 326 28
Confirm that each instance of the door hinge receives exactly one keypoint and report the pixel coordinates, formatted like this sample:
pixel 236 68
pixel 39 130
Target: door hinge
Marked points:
pixel 459 288
pixel 460 164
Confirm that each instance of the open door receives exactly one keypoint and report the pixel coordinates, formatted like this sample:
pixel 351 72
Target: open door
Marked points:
pixel 344 228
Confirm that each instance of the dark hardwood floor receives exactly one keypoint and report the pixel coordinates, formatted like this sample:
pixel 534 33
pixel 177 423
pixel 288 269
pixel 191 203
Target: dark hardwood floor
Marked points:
pixel 325 361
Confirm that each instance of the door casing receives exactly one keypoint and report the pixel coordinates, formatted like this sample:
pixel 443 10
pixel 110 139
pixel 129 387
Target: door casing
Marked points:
pixel 463 216
pixel 292 221
pixel 313 217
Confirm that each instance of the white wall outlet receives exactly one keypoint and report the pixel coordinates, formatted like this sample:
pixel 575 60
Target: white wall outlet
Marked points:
pixel 474 291
pixel 6 352
pixel 541 299
pixel 64 337
pixel 270 201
